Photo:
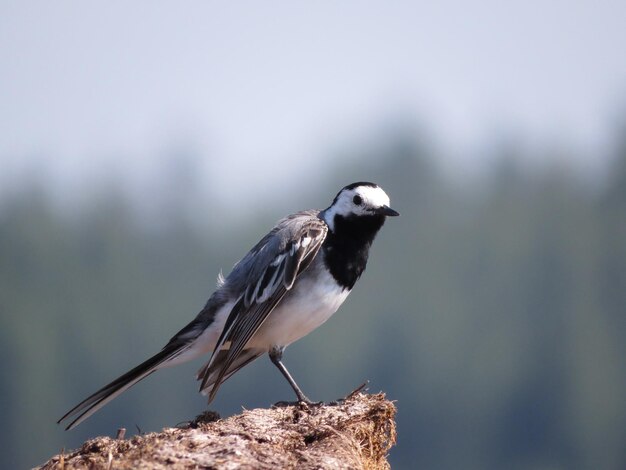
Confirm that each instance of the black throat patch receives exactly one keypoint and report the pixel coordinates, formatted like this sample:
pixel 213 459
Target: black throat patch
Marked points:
pixel 346 248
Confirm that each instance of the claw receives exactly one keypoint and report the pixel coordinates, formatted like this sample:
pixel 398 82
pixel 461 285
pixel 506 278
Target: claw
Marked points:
pixel 306 403
pixel 301 403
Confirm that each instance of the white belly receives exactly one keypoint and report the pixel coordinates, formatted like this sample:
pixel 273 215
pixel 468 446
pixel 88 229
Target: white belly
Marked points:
pixel 309 304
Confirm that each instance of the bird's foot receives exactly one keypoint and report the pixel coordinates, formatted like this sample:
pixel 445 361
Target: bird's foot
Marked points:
pixel 306 403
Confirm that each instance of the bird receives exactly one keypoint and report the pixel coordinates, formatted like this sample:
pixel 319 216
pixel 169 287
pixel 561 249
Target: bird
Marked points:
pixel 286 286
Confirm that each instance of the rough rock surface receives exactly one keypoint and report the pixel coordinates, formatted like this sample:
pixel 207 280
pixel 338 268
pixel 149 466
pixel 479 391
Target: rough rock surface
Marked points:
pixel 357 434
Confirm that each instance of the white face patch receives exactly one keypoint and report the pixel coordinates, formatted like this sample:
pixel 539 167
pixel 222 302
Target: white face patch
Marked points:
pixel 370 197
pixel 373 197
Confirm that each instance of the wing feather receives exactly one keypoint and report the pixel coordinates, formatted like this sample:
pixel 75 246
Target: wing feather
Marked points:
pixel 262 294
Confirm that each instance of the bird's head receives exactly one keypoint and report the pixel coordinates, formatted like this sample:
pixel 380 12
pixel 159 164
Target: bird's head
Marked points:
pixel 360 199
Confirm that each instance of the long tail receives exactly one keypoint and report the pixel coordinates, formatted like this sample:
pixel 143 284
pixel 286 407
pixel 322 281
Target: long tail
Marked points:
pixel 94 402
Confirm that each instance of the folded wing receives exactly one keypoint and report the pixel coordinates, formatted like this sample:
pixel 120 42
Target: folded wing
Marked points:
pixel 279 259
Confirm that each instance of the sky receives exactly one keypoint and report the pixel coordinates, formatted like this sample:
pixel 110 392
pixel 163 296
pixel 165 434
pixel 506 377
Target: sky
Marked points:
pixel 265 91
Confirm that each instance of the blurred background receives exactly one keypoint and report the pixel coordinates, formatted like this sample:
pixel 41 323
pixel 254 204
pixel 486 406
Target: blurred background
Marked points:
pixel 144 146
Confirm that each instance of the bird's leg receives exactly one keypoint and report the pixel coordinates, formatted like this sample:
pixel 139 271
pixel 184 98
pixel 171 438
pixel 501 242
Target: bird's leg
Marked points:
pixel 276 354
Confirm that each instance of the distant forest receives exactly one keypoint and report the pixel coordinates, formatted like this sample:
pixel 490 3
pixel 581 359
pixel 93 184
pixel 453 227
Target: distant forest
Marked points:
pixel 493 313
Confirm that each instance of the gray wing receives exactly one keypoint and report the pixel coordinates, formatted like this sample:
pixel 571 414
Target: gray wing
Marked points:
pixel 262 279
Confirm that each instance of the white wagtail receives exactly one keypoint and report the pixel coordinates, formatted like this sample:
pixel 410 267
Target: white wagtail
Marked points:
pixel 290 283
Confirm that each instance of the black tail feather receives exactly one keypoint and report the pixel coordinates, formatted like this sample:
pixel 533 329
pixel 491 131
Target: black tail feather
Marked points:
pixel 97 400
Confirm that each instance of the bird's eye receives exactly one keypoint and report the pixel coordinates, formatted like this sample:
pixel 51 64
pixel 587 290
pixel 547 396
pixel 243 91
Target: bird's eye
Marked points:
pixel 357 200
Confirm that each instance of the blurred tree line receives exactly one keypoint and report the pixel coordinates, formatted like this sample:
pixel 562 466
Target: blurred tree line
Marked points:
pixel 494 314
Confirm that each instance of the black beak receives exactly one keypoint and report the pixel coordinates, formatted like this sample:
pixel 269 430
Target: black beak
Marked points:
pixel 388 211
